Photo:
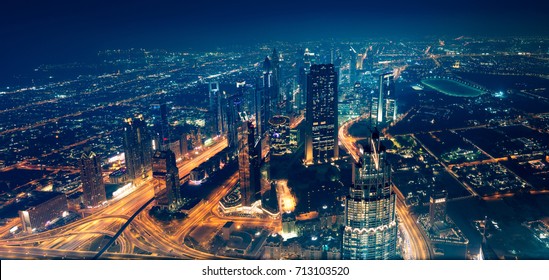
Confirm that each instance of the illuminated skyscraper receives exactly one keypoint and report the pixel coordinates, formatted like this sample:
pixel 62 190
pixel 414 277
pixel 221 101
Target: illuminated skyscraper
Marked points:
pixel 247 94
pixel 161 127
pixel 437 206
pixel 91 176
pixel 352 65
pixel 264 97
pixel 184 142
pixel 276 92
pixel 166 171
pixel 279 135
pixel 235 115
pixel 215 110
pixel 368 62
pixel 306 59
pixel 137 147
pixel 321 144
pixel 370 231
pixel 390 109
pixel 337 65
pixel 249 163
pixel 383 106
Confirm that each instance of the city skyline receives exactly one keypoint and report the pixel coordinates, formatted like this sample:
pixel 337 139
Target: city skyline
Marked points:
pixel 301 130
pixel 37 31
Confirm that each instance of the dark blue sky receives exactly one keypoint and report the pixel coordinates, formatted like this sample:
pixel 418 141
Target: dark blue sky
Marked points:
pixel 58 30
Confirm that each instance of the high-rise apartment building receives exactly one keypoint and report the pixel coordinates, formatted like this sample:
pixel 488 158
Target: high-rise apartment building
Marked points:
pixel 249 163
pixel 166 171
pixel 383 106
pixel 137 147
pixel 321 141
pixel 91 176
pixel 160 126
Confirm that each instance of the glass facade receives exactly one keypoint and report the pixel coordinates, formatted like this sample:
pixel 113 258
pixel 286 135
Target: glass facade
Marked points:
pixel 91 176
pixel 370 231
pixel 321 117
pixel 137 147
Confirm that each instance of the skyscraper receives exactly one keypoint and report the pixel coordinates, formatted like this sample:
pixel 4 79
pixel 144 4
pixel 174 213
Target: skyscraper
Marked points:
pixel 368 63
pixel 184 142
pixel 437 206
pixel 383 106
pixel 304 62
pixel 92 179
pixel 370 231
pixel 390 109
pixel 215 110
pixel 161 126
pixel 276 89
pixel 244 90
pixel 137 147
pixel 352 64
pixel 235 115
pixel 279 135
pixel 337 65
pixel 265 97
pixel 249 163
pixel 321 142
pixel 165 169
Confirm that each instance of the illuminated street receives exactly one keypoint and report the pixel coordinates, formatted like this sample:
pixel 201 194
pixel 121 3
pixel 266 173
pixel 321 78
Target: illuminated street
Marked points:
pixel 293 130
pixel 78 235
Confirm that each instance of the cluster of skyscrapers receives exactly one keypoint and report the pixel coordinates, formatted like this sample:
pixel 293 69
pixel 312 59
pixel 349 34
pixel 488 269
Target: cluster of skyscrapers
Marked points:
pixel 257 121
pixel 147 153
pixel 255 129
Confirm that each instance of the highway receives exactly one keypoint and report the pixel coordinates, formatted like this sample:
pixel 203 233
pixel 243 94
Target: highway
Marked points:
pixel 156 240
pixel 75 239
pixel 346 140
pixel 185 167
pixel 41 253
pixel 415 239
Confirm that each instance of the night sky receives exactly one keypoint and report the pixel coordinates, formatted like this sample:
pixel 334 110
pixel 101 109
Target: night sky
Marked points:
pixel 34 32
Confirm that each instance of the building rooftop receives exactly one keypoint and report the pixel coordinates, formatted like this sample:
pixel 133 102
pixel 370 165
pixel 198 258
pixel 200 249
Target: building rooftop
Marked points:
pixel 36 198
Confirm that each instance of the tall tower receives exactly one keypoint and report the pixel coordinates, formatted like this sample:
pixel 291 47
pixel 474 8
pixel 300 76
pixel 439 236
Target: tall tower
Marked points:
pixel 279 135
pixel 437 206
pixel 383 107
pixel 249 163
pixel 337 65
pixel 215 110
pixel 321 144
pixel 137 147
pixel 161 126
pixel 306 59
pixel 276 92
pixel 184 142
pixel 370 231
pixel 235 114
pixel 352 64
pixel 265 96
pixel 92 179
pixel 165 169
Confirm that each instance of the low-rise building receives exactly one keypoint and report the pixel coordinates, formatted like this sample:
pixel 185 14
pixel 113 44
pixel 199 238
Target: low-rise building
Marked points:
pixel 41 209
